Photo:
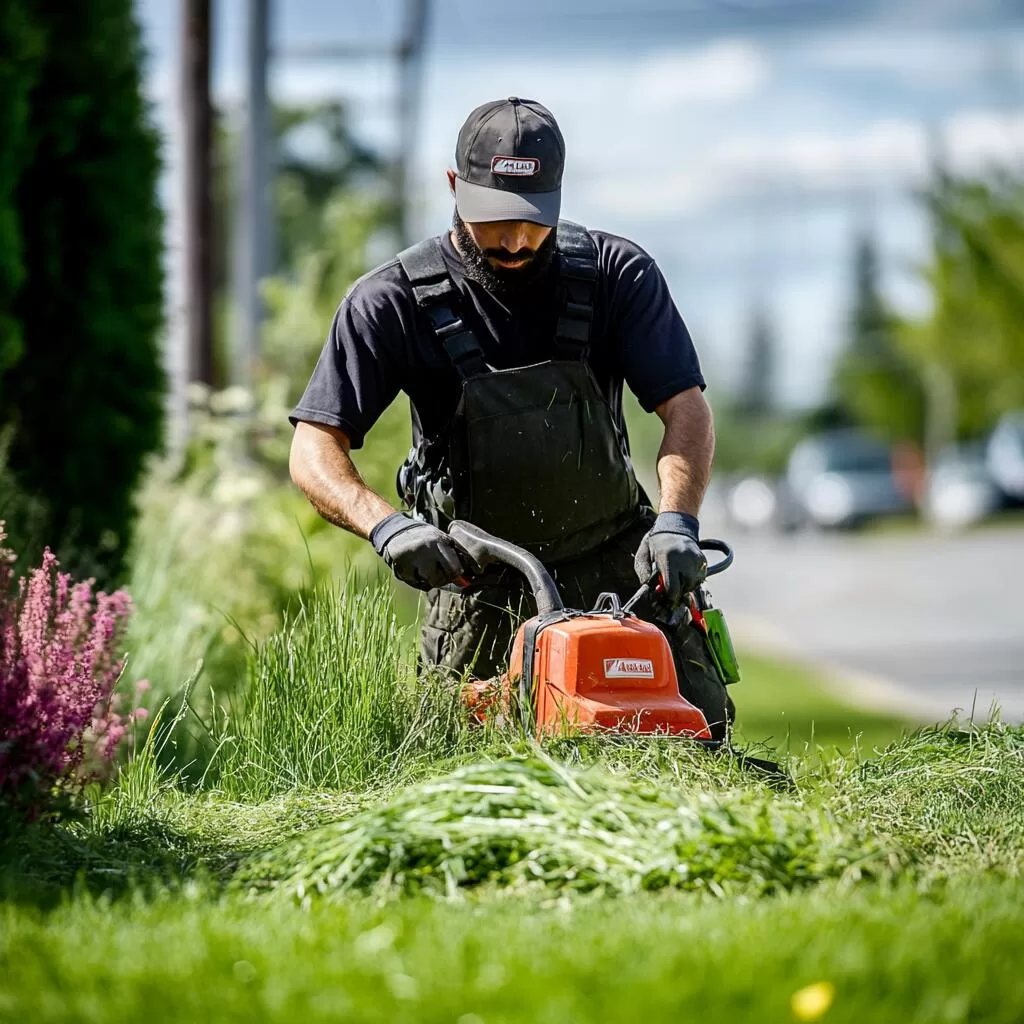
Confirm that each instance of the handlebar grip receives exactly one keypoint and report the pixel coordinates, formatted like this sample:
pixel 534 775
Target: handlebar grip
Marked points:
pixel 486 549
pixel 474 541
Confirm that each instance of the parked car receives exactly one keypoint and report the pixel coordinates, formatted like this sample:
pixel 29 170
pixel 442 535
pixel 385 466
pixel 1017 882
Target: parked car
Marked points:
pixel 839 480
pixel 1004 455
pixel 752 503
pixel 960 489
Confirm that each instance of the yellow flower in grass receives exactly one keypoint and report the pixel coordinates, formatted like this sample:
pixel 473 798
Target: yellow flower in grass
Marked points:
pixel 812 1001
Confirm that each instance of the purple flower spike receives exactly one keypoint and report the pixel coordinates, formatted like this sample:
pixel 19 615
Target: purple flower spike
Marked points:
pixel 59 664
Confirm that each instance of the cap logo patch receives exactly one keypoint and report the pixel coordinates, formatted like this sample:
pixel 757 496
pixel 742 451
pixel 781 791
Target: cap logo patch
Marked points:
pixel 518 166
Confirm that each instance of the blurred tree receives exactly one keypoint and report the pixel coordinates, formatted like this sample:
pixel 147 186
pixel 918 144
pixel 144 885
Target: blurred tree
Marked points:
pixel 301 304
pixel 743 445
pixel 300 309
pixel 755 396
pixel 874 381
pixel 754 434
pixel 85 400
pixel 317 160
pixel 972 343
pixel 317 156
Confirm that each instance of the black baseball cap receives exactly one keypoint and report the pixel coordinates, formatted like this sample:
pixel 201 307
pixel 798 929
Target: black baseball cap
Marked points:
pixel 509 161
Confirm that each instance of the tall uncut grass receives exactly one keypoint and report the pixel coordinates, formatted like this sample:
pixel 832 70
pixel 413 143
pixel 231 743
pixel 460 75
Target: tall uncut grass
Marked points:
pixel 334 700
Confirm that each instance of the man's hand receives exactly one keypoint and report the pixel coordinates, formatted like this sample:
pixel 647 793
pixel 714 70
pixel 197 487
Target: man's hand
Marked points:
pixel 670 549
pixel 419 554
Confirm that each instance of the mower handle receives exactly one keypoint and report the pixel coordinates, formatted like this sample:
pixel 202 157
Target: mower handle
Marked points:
pixel 721 547
pixel 486 549
pixel 656 585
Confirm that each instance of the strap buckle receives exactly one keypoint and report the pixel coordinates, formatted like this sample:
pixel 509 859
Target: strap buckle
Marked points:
pixel 452 327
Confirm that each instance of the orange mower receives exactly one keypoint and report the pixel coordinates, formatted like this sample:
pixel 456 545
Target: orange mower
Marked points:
pixel 602 670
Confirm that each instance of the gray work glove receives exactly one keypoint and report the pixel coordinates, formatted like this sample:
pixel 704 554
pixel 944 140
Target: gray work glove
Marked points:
pixel 670 549
pixel 418 554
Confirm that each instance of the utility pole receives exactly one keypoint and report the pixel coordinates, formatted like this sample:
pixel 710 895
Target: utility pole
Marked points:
pixel 254 224
pixel 197 214
pixel 410 67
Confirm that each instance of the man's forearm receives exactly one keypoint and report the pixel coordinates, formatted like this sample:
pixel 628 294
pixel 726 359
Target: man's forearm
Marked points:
pixel 686 453
pixel 321 467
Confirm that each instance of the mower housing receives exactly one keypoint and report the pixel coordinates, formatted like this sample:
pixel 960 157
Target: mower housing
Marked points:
pixel 603 672
pixel 574 671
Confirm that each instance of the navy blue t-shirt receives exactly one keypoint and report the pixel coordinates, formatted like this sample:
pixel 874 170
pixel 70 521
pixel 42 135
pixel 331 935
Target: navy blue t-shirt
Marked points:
pixel 379 343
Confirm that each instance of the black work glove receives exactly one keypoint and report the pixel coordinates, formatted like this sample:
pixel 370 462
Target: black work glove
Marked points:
pixel 419 554
pixel 670 549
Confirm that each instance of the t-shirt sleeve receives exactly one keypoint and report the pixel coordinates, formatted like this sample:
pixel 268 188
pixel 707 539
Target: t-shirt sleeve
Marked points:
pixel 356 377
pixel 654 348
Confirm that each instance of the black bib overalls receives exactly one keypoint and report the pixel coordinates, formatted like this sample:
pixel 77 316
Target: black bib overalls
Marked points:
pixel 534 455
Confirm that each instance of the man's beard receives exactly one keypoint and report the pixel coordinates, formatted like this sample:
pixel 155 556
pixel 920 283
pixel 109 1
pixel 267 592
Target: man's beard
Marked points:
pixel 503 282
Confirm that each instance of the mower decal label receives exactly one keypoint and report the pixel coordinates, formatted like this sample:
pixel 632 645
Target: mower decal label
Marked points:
pixel 628 668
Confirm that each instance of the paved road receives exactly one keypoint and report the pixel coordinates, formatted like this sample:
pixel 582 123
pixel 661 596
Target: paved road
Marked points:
pixel 920 622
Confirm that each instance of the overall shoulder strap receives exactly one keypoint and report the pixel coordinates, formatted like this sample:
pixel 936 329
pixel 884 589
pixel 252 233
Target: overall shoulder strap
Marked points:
pixel 436 296
pixel 577 272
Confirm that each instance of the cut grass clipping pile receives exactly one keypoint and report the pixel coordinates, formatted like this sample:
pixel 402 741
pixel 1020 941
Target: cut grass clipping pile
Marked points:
pixel 533 820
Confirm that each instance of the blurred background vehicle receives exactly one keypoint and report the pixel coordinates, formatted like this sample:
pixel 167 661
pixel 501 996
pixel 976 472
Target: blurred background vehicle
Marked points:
pixel 752 503
pixel 841 480
pixel 961 491
pixel 1004 456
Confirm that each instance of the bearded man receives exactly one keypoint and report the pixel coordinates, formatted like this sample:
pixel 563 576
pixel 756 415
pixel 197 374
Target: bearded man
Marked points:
pixel 513 335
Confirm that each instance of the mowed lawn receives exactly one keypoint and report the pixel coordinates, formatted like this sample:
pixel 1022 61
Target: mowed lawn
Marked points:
pixel 897 955
pixel 883 886
pixel 784 705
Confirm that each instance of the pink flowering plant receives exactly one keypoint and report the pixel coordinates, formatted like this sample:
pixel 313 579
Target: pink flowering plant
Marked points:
pixel 59 665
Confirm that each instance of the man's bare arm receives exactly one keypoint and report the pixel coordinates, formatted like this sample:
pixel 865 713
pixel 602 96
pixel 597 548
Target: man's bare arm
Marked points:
pixel 686 453
pixel 320 465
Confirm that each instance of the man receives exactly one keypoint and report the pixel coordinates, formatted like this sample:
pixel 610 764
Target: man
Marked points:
pixel 512 335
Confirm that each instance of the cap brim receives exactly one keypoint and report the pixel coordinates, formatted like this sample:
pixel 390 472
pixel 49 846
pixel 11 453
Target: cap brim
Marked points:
pixel 480 203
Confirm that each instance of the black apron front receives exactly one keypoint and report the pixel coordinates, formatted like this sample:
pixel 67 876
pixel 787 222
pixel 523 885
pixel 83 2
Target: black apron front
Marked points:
pixel 534 454
pixel 537 459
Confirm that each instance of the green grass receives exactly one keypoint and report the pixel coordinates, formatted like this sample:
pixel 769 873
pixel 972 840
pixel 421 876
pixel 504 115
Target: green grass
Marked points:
pixel 532 821
pixel 352 851
pixel 786 706
pixel 899 955
pixel 934 932
pixel 334 701
pixel 147 912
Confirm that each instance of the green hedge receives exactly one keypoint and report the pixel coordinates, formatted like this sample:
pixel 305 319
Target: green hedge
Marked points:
pixel 19 69
pixel 80 273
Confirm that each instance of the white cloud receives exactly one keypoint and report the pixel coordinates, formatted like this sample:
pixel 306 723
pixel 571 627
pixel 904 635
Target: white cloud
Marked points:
pixel 885 153
pixel 974 140
pixel 821 159
pixel 744 164
pixel 723 72
pixel 927 61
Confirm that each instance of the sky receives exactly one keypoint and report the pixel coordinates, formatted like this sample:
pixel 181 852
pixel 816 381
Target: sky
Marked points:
pixel 743 143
